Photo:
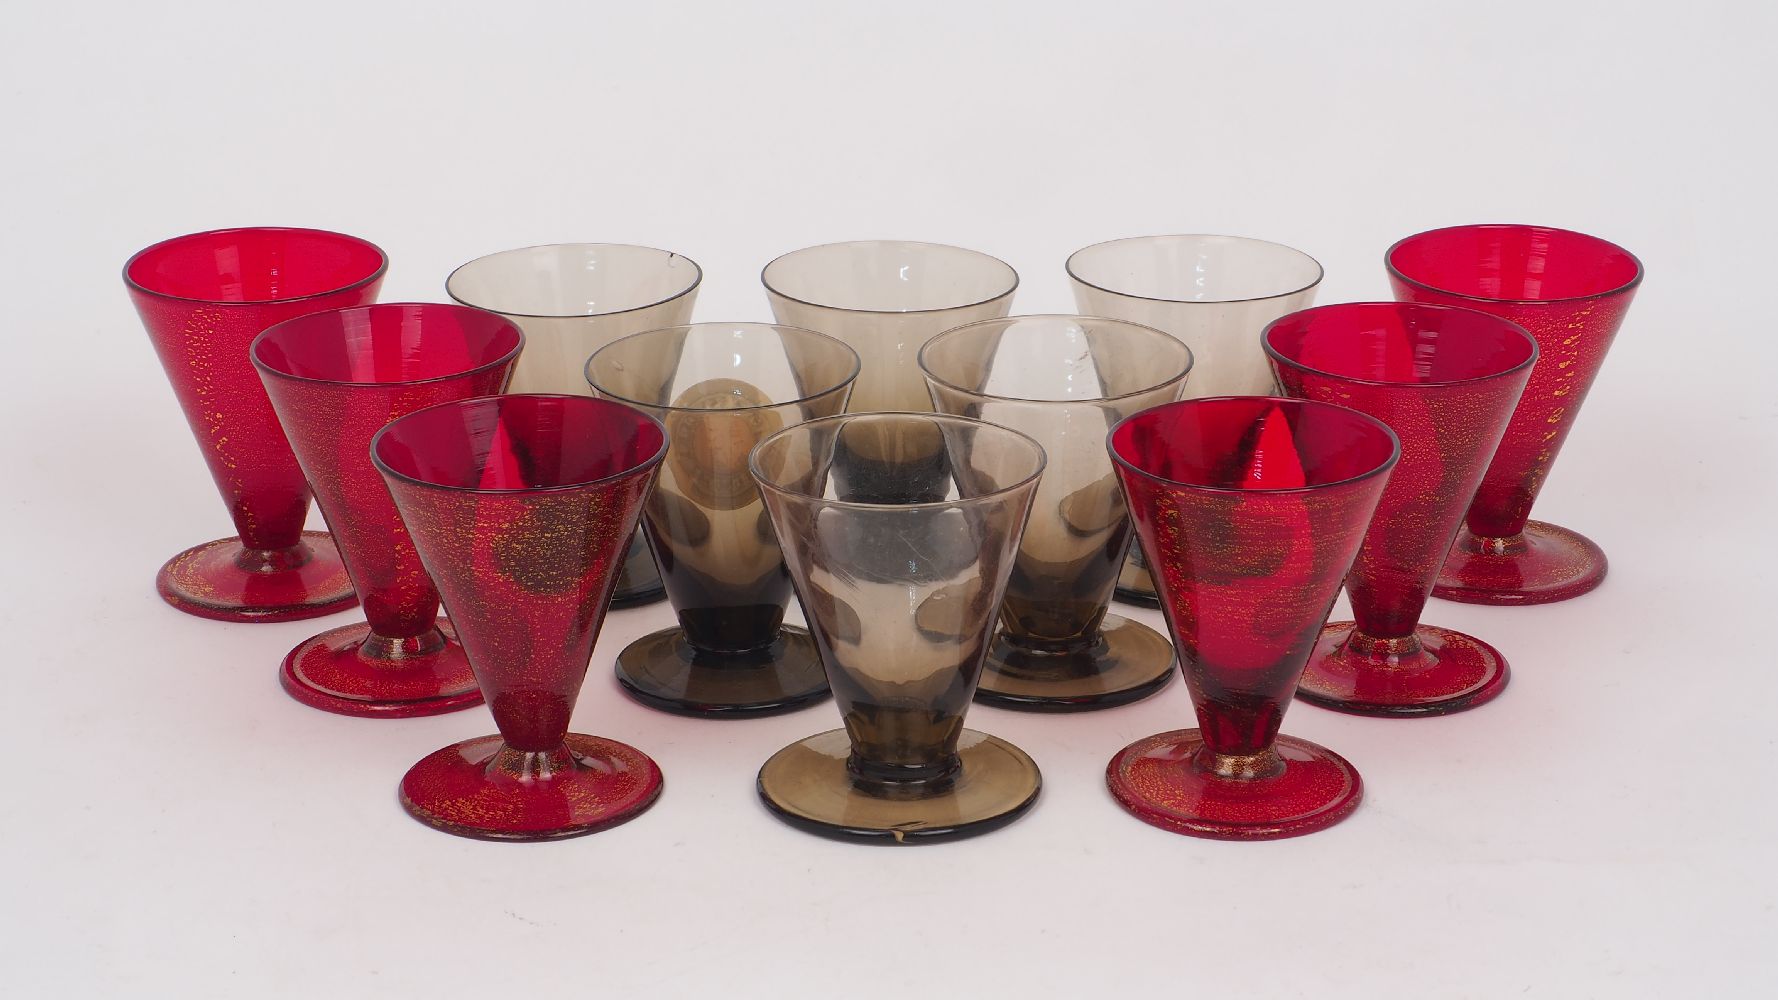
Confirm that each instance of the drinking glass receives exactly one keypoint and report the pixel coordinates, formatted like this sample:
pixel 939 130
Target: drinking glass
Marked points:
pixel 719 388
pixel 1251 509
pixel 901 598
pixel 1445 380
pixel 335 379
pixel 572 299
pixel 203 298
pixel 885 299
pixel 1215 293
pixel 1571 292
pixel 1064 381
pixel 520 507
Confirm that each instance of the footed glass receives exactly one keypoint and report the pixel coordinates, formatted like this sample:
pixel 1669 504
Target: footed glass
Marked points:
pixel 1215 293
pixel 901 599
pixel 572 299
pixel 1445 380
pixel 1571 292
pixel 203 298
pixel 1064 381
pixel 1251 509
pixel 335 379
pixel 885 299
pixel 719 388
pixel 520 507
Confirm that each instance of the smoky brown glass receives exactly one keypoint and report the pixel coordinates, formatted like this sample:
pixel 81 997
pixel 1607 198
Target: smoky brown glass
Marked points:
pixel 1064 381
pixel 571 299
pixel 1215 293
pixel 901 599
pixel 719 388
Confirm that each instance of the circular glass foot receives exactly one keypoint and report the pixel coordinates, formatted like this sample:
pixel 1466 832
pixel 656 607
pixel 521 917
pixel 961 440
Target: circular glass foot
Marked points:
pixel 1138 598
pixel 662 670
pixel 337 672
pixel 808 785
pixel 1443 672
pixel 484 789
pixel 1297 788
pixel 639 597
pixel 224 581
pixel 1544 564
pixel 1130 662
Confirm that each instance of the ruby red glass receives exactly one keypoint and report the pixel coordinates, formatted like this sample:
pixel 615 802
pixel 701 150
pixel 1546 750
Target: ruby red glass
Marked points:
pixel 1570 291
pixel 203 298
pixel 1445 380
pixel 1250 510
pixel 335 379
pixel 521 508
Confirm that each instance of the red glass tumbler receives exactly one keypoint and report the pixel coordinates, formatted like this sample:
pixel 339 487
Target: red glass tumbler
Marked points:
pixel 1250 510
pixel 335 379
pixel 1570 291
pixel 1445 380
pixel 203 298
pixel 522 507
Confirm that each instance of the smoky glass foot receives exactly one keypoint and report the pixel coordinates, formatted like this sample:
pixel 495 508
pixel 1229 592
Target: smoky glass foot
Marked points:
pixel 1544 564
pixel 484 789
pixel 224 581
pixel 665 671
pixel 1435 672
pixel 809 785
pixel 638 581
pixel 1129 662
pixel 1170 780
pixel 351 672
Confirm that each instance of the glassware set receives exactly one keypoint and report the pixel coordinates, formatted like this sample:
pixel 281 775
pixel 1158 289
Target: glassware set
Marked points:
pixel 950 492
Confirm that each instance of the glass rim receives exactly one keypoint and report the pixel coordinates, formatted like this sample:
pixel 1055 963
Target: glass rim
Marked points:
pixel 1346 413
pixel 266 367
pixel 1320 272
pixel 766 483
pixel 920 359
pixel 641 467
pixel 697 279
pixel 773 289
pixel 1395 272
pixel 381 269
pixel 851 376
pixel 1265 343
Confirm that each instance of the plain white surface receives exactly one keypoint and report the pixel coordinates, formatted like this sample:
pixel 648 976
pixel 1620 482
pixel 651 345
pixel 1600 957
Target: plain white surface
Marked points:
pixel 174 825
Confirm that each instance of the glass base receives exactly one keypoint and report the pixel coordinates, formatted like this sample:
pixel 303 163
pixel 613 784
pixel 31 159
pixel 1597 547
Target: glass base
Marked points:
pixel 1130 662
pixel 664 671
pixel 1544 564
pixel 1443 672
pixel 483 789
pixel 429 675
pixel 1296 788
pixel 225 582
pixel 1135 585
pixel 638 580
pixel 807 784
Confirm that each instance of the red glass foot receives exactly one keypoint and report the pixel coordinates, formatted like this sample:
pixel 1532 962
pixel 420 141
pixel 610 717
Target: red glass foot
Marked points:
pixel 339 671
pixel 1544 564
pixel 1435 672
pixel 225 581
pixel 1172 781
pixel 484 789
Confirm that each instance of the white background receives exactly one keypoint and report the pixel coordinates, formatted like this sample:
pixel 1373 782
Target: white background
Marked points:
pixel 172 824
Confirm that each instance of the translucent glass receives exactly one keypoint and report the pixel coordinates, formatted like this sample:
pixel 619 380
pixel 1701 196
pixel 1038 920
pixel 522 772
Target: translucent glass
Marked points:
pixel 885 299
pixel 1064 380
pixel 901 599
pixel 572 299
pixel 719 388
pixel 335 379
pixel 1215 293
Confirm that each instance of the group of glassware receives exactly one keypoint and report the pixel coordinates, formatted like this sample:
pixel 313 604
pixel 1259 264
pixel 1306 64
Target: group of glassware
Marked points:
pixel 921 468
